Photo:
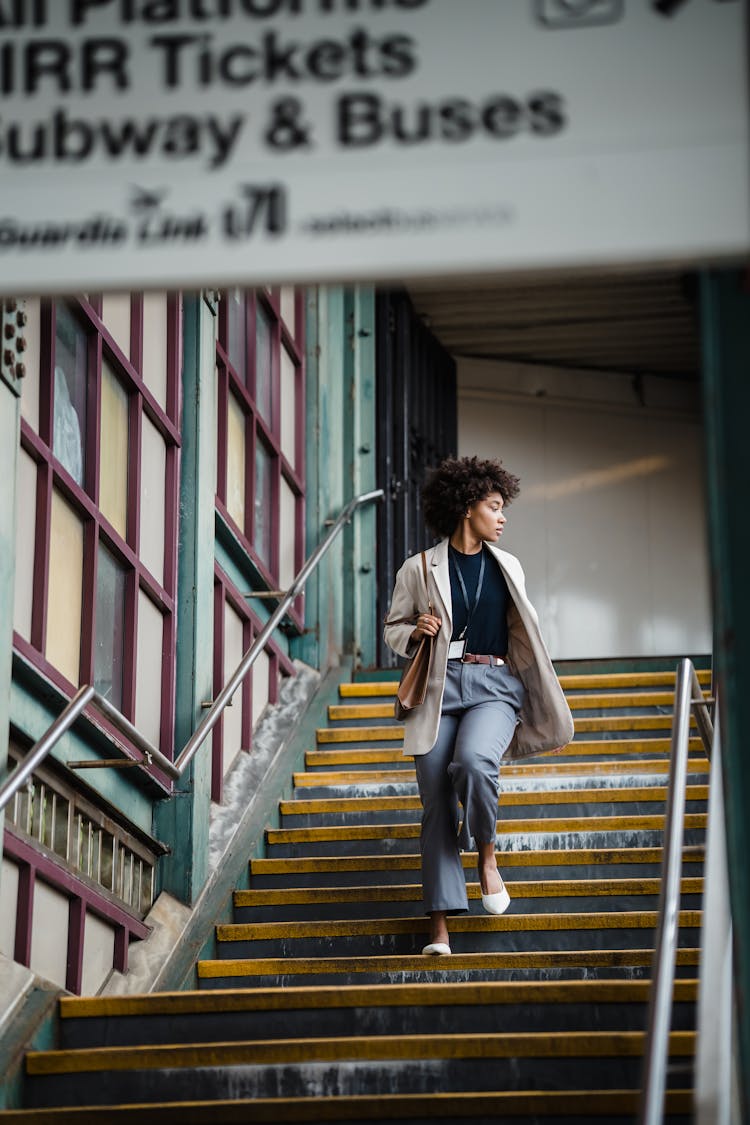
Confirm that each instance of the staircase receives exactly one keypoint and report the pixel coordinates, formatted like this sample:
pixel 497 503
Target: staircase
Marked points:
pixel 320 1006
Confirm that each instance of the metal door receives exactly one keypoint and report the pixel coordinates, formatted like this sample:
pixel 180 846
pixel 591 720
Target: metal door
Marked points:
pixel 416 428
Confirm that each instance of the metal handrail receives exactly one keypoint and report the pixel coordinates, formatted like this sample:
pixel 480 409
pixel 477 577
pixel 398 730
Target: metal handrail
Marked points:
pixel 213 715
pixel 688 695
pixel 88 695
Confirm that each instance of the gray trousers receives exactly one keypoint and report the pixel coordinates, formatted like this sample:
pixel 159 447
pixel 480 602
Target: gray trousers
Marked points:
pixel 478 718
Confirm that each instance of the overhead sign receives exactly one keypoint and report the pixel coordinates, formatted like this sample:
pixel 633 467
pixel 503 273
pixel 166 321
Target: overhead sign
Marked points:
pixel 202 142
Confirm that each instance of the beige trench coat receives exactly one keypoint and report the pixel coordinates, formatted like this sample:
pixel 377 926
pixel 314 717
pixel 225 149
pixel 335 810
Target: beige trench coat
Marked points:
pixel 545 719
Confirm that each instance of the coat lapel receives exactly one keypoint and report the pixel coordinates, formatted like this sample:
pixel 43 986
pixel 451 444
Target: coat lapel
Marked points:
pixel 438 561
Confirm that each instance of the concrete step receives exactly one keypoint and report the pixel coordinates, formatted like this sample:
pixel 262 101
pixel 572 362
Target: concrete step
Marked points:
pixel 549 965
pixel 597 703
pixel 581 863
pixel 304 812
pixel 269 1013
pixel 339 783
pixel 387 735
pixel 343 1066
pixel 470 933
pixel 513 835
pixel 554 1107
pixel 385 901
pixel 626 681
pixel 599 751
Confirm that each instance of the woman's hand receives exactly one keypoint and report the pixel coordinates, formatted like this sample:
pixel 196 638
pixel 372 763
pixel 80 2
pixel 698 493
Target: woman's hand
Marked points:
pixel 427 626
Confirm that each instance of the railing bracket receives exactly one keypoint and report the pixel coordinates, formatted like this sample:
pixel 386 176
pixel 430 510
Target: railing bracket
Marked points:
pixel 102 763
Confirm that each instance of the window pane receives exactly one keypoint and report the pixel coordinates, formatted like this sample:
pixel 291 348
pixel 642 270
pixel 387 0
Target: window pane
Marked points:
pixel 25 536
pixel 63 642
pixel 263 503
pixel 110 628
pixel 236 462
pixel 113 472
pixel 116 317
pixel 98 953
pixel 287 535
pixel 288 406
pixel 287 308
pixel 233 652
pixel 236 342
pixel 261 675
pixel 49 934
pixel 69 393
pixel 148 688
pixel 8 907
pixel 153 481
pixel 155 345
pixel 263 362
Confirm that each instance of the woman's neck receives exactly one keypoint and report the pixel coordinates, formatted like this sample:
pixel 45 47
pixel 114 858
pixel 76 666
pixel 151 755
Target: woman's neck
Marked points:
pixel 465 542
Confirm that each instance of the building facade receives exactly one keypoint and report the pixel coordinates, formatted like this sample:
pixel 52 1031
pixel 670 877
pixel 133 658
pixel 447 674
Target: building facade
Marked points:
pixel 176 459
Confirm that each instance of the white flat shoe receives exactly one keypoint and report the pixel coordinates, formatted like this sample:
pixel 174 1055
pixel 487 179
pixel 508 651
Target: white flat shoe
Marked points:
pixel 497 903
pixel 437 949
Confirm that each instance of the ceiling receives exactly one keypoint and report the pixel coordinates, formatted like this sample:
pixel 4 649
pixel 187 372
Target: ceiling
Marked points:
pixel 627 322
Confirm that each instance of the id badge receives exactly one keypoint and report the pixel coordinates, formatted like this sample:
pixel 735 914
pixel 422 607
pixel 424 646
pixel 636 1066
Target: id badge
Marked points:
pixel 456 649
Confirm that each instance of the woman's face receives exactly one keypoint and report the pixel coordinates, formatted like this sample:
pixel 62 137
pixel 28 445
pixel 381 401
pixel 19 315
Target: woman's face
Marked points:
pixel 486 518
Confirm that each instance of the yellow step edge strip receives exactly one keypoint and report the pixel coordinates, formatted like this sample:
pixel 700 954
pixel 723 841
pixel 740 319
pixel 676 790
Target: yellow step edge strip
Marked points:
pixel 463 923
pixel 616 747
pixel 396 733
pixel 573 683
pixel 531 888
pixel 565 769
pixel 458 962
pixel 362 1107
pixel 369 995
pixel 551 858
pixel 543 826
pixel 372 1048
pixel 338 712
pixel 584 680
pixel 610 794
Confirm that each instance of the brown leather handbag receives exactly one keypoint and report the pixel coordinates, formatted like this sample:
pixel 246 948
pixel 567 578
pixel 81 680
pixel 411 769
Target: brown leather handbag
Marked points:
pixel 415 676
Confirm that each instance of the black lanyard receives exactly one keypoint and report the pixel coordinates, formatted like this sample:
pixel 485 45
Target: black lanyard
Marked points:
pixel 462 584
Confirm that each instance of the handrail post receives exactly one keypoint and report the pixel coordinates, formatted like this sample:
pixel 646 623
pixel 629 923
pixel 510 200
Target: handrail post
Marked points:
pixel 656 1045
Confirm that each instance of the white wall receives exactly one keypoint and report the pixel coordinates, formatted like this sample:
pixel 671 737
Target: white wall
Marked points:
pixel 49 933
pixel 610 523
pixel 8 900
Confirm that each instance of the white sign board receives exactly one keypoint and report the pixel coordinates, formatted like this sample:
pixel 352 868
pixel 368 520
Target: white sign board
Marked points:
pixel 202 142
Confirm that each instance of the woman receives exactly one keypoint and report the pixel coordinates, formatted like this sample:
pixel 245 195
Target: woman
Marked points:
pixel 492 690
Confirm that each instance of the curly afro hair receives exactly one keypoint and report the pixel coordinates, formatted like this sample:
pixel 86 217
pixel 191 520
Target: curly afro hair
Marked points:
pixel 456 483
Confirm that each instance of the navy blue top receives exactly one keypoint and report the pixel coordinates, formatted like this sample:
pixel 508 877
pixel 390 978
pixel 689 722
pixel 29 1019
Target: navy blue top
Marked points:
pixel 488 629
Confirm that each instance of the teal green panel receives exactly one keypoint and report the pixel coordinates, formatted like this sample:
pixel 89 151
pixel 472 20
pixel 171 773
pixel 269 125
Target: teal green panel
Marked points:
pixel 307 647
pixel 33 1027
pixel 361 471
pixel 726 366
pixel 340 463
pixel 327 488
pixel 183 821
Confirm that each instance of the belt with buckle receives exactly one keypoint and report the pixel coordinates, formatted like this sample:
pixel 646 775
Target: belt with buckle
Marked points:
pixel 472 658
